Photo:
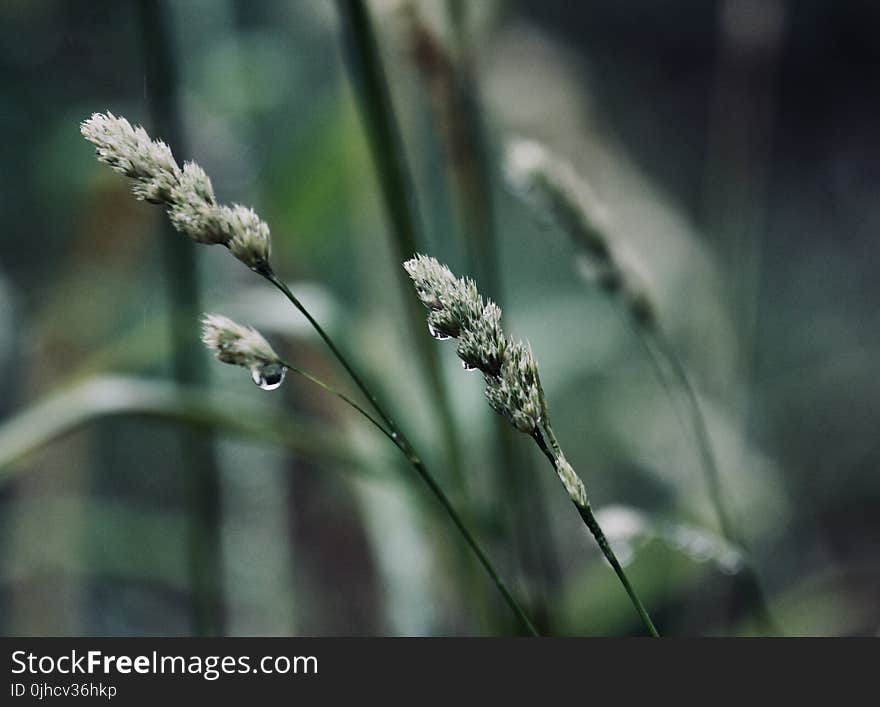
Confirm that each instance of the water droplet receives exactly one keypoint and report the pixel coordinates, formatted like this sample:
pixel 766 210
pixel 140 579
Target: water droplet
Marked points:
pixel 439 335
pixel 269 377
pixel 468 366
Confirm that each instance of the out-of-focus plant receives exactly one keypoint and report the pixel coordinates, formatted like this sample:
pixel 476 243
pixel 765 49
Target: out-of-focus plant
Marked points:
pixel 188 196
pixel 456 310
pixel 550 184
pixel 68 410
pixel 395 182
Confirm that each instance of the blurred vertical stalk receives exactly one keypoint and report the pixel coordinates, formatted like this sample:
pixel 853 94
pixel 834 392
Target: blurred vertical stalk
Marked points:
pixel 671 371
pixel 551 184
pixel 469 155
pixel 750 35
pixel 450 77
pixel 737 154
pixel 374 96
pixel 397 192
pixel 203 483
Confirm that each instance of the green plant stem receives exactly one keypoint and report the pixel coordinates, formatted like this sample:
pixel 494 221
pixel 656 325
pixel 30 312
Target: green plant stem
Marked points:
pixel 667 364
pixel 203 481
pixel 586 513
pixel 657 344
pixel 393 432
pixel 338 393
pixel 398 197
pixel 269 275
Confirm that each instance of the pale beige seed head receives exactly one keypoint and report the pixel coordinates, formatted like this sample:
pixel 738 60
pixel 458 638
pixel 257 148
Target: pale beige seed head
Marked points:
pixel 130 151
pixel 457 310
pixel 235 343
pixel 187 193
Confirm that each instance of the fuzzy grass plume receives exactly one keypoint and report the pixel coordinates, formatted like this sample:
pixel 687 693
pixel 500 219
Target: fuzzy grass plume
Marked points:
pixel 243 346
pixel 551 185
pixel 456 310
pixel 186 193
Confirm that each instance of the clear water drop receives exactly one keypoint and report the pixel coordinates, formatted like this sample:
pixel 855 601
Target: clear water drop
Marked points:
pixel 269 377
pixel 439 335
pixel 468 366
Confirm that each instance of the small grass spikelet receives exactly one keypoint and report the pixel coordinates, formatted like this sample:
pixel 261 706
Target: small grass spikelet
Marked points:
pixel 244 346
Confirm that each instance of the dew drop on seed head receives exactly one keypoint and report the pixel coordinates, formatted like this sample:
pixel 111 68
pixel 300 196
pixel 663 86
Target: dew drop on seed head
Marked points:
pixel 439 335
pixel 468 366
pixel 269 377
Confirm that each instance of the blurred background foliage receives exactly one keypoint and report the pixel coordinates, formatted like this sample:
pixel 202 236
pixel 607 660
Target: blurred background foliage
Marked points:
pixel 734 145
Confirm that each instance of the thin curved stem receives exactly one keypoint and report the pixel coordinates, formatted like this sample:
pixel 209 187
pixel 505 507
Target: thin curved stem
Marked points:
pixel 398 195
pixel 586 513
pixel 666 365
pixel 655 341
pixel 267 273
pixel 393 432
pixel 339 394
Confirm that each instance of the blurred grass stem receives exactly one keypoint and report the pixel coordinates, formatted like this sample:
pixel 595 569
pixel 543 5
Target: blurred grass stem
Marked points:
pixel 395 181
pixel 658 346
pixel 398 194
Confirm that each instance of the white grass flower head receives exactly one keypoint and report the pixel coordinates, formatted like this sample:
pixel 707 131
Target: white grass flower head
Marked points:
pixel 456 310
pixel 130 151
pixel 193 210
pixel 513 387
pixel 187 193
pixel 244 346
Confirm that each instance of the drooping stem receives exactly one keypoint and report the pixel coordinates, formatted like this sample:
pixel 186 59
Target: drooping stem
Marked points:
pixel 393 433
pixel 658 345
pixel 267 273
pixel 586 513
pixel 342 396
pixel 655 342
pixel 670 373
